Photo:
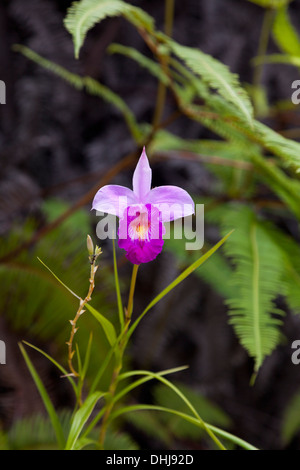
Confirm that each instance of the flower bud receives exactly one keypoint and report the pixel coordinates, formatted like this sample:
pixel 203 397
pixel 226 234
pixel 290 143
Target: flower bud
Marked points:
pixel 90 245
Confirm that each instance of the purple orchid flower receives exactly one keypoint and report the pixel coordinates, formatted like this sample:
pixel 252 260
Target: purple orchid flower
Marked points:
pixel 143 211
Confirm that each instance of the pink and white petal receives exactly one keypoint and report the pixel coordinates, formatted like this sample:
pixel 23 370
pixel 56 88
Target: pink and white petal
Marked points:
pixel 142 177
pixel 113 199
pixel 173 202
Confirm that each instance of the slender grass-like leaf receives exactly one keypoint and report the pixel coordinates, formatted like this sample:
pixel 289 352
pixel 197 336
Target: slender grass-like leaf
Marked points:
pixel 107 326
pixel 226 435
pixel 81 417
pixel 177 281
pixel 60 367
pixel 125 391
pixel 145 379
pixel 178 392
pixel 46 399
pixel 57 278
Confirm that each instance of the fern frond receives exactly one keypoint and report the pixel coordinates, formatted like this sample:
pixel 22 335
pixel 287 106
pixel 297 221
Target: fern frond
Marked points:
pixel 217 76
pixel 286 188
pixel 119 441
pixel 71 78
pixel 257 277
pixel 153 67
pixel 84 14
pixel 90 85
pixel 291 274
pixel 32 300
pixel 35 433
pixel 288 150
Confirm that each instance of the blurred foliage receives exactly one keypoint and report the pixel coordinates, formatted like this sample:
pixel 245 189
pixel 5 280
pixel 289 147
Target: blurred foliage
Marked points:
pixel 35 304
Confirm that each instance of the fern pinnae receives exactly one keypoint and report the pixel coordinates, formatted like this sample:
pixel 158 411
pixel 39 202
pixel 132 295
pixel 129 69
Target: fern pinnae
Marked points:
pixel 258 270
pixel 153 67
pixel 84 14
pixel 255 291
pixel 89 84
pixel 218 76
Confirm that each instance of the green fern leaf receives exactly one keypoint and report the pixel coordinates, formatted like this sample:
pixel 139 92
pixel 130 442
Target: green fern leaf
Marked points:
pixel 153 67
pixel 33 301
pixel 84 14
pixel 34 433
pixel 291 274
pixel 257 277
pixel 90 85
pixel 217 76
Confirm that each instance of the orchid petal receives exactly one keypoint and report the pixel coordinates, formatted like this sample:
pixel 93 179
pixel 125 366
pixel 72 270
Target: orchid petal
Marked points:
pixel 142 177
pixel 113 199
pixel 173 202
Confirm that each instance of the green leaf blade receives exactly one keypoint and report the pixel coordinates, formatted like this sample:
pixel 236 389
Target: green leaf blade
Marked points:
pixel 81 417
pixel 107 326
pixel 46 399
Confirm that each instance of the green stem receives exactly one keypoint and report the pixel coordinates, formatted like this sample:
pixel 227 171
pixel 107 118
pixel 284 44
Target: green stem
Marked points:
pixel 161 91
pixel 131 292
pixel 117 284
pixel 263 44
pixel 119 363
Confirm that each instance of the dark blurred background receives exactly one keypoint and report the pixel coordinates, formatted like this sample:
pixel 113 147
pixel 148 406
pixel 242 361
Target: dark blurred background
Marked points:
pixel 57 142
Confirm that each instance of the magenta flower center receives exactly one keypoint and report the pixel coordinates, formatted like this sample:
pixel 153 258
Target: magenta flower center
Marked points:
pixel 139 227
pixel 141 233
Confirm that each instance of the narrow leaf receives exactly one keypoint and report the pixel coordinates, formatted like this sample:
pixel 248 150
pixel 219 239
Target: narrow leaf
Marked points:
pixel 177 281
pixel 61 368
pixel 57 278
pixel 81 417
pixel 46 399
pixel 107 326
